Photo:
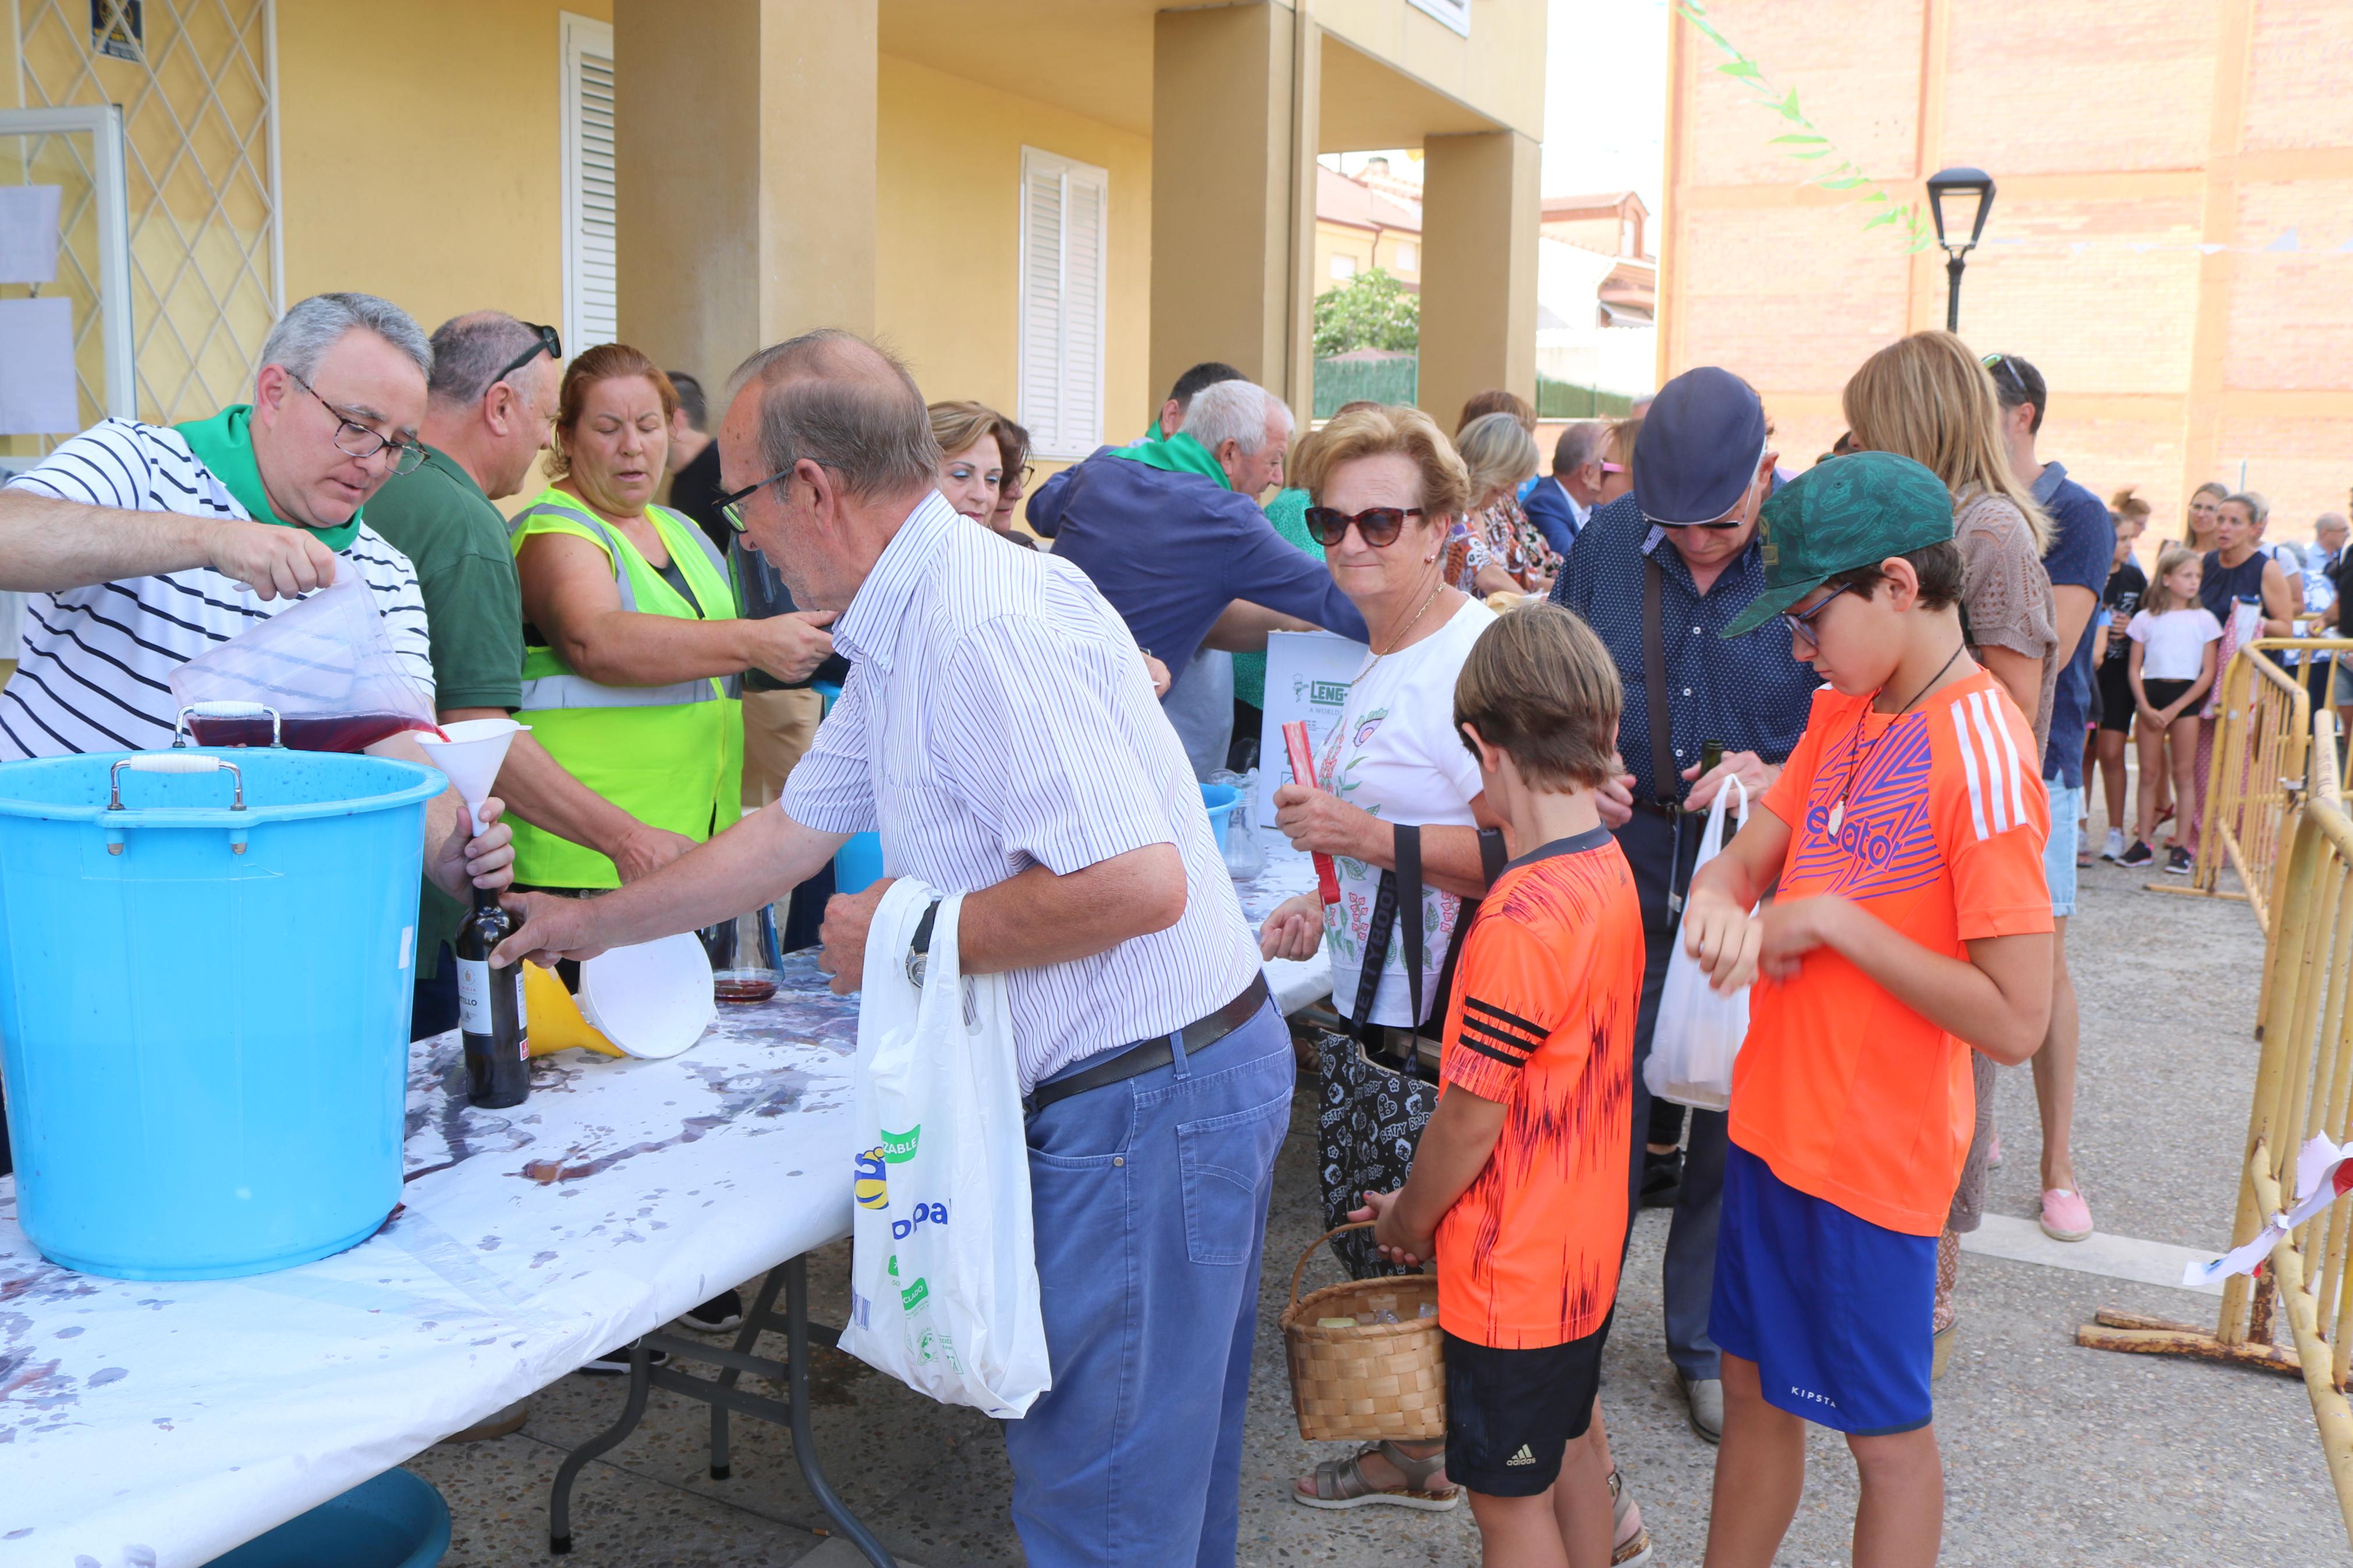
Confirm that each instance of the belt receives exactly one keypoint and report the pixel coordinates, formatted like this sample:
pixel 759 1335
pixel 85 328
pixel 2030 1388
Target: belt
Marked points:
pixel 1145 1056
pixel 1658 808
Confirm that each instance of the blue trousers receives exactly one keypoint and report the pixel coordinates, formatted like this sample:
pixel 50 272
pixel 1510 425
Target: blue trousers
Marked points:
pixel 1656 851
pixel 1149 1198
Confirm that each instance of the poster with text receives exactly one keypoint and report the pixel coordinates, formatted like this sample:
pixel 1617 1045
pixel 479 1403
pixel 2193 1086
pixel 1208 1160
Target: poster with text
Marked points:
pixel 1307 677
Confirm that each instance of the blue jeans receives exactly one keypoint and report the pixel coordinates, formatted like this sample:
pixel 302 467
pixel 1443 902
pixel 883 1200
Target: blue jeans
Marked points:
pixel 1149 1200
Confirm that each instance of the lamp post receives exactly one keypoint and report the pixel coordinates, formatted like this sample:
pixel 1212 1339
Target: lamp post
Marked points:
pixel 1971 192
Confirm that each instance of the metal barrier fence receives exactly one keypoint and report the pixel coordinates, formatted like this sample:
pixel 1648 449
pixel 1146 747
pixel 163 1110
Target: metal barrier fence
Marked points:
pixel 2304 1085
pixel 2262 733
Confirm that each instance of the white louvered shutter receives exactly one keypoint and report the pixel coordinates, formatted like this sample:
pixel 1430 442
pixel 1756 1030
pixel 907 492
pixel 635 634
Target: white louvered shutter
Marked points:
pixel 591 301
pixel 1064 212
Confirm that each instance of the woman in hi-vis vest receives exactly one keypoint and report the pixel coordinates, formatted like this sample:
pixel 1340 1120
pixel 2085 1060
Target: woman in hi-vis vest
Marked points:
pixel 633 651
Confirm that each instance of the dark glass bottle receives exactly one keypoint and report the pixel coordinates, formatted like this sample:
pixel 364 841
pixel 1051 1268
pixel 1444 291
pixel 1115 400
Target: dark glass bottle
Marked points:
pixel 490 1009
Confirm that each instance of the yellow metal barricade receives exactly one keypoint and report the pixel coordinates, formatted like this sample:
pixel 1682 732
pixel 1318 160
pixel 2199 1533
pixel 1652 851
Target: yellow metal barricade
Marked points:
pixel 2304 1085
pixel 2263 734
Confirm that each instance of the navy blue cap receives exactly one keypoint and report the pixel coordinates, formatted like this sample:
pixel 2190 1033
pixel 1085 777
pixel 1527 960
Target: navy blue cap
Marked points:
pixel 1699 449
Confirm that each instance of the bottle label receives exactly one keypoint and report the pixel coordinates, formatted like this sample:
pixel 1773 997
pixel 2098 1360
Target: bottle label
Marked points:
pixel 523 1017
pixel 474 996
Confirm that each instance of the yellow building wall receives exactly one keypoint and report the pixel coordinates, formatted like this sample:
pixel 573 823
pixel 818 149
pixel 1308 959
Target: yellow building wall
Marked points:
pixel 1398 255
pixel 948 232
pixel 428 168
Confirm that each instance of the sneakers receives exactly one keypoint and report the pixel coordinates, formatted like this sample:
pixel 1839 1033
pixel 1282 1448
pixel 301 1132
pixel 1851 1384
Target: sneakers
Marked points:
pixel 716 1316
pixel 2176 861
pixel 1629 1542
pixel 1704 1396
pixel 2066 1216
pixel 2140 854
pixel 615 1363
pixel 2113 850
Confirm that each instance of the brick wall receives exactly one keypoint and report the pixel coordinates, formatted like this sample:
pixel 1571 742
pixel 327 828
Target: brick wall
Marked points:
pixel 2100 124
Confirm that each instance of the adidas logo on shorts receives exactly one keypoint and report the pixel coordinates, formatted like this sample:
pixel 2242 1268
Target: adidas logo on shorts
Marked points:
pixel 1522 1457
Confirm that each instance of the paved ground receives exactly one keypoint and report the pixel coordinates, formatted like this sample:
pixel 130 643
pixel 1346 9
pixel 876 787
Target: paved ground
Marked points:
pixel 2054 1453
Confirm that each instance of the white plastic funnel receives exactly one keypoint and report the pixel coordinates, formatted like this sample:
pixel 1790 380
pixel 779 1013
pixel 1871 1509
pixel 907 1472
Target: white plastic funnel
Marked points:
pixel 651 1000
pixel 472 756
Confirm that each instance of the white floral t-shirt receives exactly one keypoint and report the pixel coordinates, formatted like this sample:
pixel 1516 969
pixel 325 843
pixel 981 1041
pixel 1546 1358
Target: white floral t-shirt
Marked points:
pixel 1395 753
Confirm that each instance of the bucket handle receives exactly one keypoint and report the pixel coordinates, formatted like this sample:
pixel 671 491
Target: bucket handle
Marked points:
pixel 180 736
pixel 1299 1273
pixel 171 763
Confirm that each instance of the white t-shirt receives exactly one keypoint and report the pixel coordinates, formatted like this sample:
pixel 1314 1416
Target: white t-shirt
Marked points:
pixel 2173 645
pixel 95 666
pixel 1395 753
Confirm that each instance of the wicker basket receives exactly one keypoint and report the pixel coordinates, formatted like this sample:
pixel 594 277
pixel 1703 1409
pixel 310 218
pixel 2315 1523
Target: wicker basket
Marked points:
pixel 1365 1381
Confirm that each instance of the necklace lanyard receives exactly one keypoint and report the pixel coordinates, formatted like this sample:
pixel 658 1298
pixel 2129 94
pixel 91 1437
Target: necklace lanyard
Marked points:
pixel 1857 754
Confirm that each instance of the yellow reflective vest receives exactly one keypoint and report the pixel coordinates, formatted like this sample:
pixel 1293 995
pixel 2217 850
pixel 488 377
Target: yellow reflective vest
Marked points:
pixel 669 755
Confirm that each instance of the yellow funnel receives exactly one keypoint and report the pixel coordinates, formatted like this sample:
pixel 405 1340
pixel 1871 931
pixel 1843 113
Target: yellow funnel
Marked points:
pixel 551 1018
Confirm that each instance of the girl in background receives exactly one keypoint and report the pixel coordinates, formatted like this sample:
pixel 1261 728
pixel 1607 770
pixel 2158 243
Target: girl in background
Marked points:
pixel 2127 583
pixel 2170 668
pixel 2205 506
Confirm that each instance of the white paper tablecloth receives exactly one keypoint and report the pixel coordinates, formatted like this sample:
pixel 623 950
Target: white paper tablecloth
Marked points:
pixel 158 1425
pixel 149 1425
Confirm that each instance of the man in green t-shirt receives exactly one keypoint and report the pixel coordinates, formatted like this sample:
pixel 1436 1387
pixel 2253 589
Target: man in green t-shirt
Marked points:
pixel 490 402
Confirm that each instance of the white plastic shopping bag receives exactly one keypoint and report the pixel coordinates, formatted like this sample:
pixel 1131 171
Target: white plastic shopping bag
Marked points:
pixel 943 1271
pixel 1699 1028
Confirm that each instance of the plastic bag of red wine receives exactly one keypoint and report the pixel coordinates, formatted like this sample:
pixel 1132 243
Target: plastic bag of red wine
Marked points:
pixel 325 666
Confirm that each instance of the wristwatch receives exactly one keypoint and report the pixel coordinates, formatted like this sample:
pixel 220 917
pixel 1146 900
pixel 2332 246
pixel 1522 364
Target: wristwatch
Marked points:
pixel 919 950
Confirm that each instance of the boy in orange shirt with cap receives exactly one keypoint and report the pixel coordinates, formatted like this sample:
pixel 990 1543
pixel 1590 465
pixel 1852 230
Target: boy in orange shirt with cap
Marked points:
pixel 1911 923
pixel 1519 1183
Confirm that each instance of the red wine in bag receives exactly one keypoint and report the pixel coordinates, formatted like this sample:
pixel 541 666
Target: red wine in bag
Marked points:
pixel 325 664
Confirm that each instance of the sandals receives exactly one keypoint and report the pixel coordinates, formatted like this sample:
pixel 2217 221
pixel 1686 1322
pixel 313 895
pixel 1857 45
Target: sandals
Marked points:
pixel 1629 1542
pixel 1341 1483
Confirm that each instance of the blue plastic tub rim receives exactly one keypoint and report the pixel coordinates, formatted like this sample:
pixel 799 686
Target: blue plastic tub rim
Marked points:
pixel 423 784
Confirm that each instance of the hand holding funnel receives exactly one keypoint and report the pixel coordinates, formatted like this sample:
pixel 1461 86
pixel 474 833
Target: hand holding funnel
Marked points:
pixel 472 757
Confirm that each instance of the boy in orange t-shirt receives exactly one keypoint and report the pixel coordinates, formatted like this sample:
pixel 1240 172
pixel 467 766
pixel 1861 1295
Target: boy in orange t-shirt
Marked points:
pixel 1911 922
pixel 1519 1184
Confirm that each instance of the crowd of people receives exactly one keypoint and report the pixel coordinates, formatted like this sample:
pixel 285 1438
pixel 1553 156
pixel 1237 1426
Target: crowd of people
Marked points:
pixel 845 608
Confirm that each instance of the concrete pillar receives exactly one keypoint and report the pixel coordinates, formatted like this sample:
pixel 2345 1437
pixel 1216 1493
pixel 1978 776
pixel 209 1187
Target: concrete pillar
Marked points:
pixel 1481 212
pixel 1228 91
pixel 745 167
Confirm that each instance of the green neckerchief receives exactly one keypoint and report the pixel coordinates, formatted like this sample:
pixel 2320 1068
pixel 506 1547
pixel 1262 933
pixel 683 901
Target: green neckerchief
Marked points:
pixel 224 444
pixel 1178 454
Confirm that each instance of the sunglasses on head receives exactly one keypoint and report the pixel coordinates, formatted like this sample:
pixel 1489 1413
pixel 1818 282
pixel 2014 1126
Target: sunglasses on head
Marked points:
pixel 1378 526
pixel 549 342
pixel 2001 369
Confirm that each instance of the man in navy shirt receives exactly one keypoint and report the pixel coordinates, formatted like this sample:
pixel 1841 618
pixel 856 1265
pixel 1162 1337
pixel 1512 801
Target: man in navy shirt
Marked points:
pixel 1656 573
pixel 1171 531
pixel 2082 547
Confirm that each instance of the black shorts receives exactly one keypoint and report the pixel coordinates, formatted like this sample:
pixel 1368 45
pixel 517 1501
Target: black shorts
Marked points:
pixel 2164 694
pixel 2116 698
pixel 1511 1415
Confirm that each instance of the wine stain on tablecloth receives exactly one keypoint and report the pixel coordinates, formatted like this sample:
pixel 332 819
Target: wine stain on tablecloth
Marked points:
pixel 744 1094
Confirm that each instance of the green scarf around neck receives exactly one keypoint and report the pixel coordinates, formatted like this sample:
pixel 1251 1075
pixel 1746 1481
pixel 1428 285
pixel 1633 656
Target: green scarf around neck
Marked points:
pixel 1177 454
pixel 225 445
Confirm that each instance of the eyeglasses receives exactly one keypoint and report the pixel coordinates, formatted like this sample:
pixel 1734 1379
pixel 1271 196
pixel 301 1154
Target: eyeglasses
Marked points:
pixel 1377 525
pixel 1613 468
pixel 731 506
pixel 550 343
pixel 354 440
pixel 1803 624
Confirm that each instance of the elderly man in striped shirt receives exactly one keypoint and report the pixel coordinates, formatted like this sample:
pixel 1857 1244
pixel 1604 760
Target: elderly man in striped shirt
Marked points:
pixel 999 731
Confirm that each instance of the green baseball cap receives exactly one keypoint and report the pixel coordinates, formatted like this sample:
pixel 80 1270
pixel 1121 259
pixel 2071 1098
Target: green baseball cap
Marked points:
pixel 1850 511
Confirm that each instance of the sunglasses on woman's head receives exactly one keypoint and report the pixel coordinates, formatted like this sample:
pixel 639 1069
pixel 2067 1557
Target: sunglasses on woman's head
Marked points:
pixel 1377 525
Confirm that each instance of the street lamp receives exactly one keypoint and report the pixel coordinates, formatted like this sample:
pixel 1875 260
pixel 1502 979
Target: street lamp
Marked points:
pixel 1971 192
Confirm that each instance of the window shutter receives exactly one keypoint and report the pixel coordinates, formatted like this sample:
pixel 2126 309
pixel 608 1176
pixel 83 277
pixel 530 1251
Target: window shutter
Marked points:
pixel 1064 212
pixel 591 298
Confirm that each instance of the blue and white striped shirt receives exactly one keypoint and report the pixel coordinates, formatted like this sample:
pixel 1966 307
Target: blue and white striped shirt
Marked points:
pixel 997 717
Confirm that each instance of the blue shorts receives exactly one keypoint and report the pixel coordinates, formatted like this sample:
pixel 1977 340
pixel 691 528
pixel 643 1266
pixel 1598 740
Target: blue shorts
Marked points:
pixel 1833 1309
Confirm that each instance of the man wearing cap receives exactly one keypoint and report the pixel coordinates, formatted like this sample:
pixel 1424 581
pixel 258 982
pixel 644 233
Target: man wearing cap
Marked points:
pixel 1657 573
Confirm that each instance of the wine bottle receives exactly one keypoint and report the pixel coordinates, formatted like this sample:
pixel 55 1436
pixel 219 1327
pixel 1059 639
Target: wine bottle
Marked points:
pixel 490 1009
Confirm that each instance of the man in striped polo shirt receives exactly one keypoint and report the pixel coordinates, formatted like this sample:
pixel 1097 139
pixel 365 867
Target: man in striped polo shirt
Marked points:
pixel 143 545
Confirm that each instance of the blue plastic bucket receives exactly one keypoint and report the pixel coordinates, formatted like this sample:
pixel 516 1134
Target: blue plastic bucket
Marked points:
pixel 396 1521
pixel 203 1010
pixel 1218 801
pixel 858 864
